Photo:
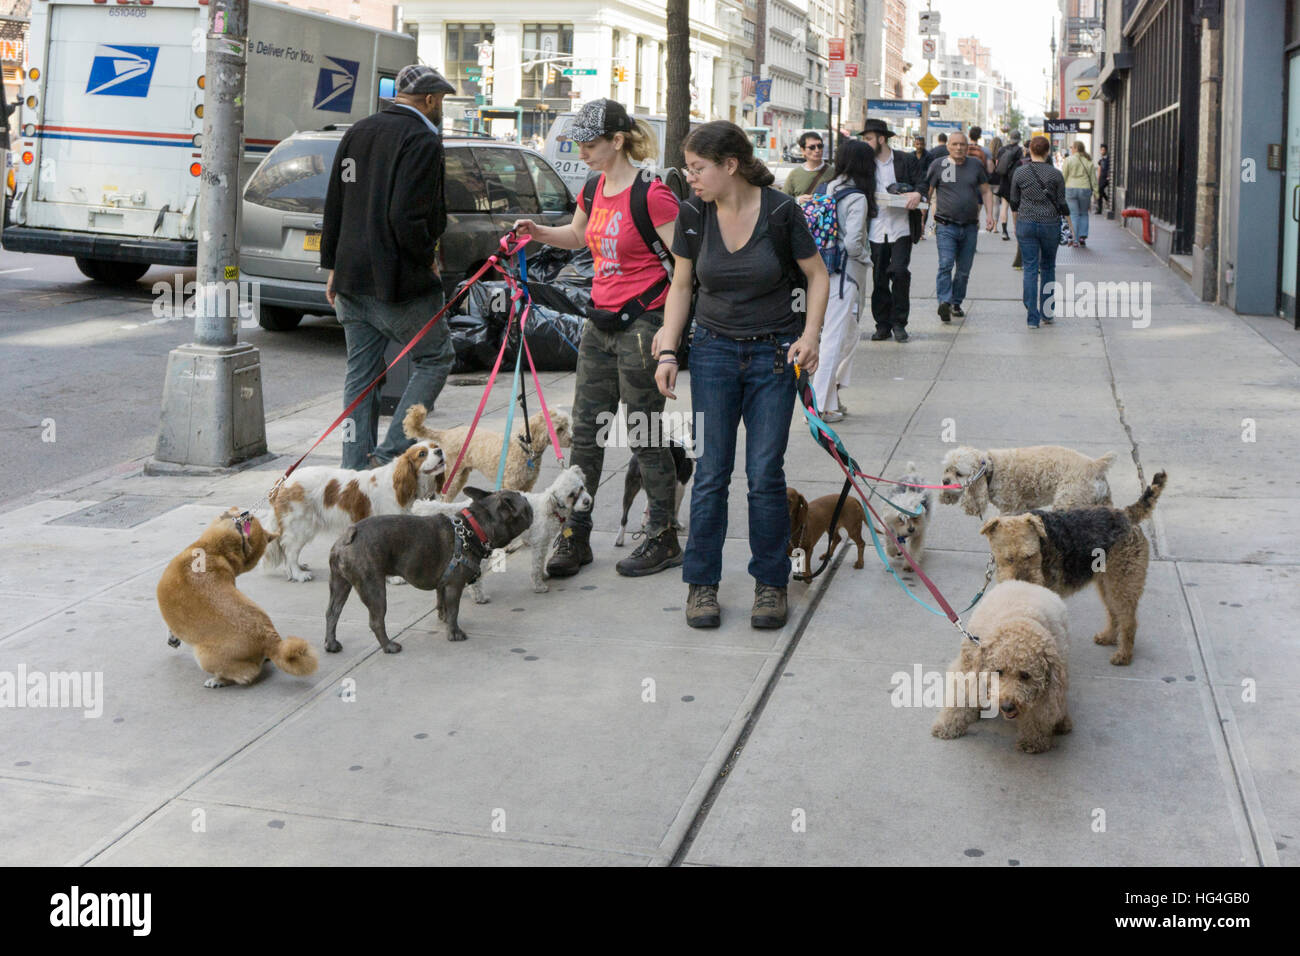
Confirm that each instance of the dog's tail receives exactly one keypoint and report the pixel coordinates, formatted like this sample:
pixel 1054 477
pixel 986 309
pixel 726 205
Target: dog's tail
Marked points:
pixel 413 423
pixel 1141 509
pixel 294 656
pixel 273 557
pixel 1101 465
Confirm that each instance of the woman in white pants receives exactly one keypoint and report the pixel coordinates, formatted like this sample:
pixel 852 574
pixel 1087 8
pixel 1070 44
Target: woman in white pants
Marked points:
pixel 853 189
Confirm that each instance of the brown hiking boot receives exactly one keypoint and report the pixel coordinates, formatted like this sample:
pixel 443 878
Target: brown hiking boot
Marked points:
pixel 769 607
pixel 573 552
pixel 702 606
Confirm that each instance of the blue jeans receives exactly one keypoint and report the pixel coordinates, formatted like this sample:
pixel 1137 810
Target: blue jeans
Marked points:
pixel 1079 200
pixel 1038 244
pixel 729 381
pixel 956 248
pixel 368 326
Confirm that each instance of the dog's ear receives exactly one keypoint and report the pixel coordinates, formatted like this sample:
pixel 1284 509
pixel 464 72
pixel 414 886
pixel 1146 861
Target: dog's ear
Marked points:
pixel 1037 522
pixel 475 493
pixel 990 526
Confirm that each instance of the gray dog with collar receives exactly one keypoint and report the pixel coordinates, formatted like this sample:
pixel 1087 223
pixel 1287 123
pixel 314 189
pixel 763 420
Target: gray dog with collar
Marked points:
pixel 434 553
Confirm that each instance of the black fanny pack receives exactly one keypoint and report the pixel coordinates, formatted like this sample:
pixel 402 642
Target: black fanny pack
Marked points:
pixel 608 321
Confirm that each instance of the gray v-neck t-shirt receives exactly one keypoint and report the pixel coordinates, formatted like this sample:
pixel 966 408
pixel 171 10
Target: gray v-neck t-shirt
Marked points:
pixel 747 292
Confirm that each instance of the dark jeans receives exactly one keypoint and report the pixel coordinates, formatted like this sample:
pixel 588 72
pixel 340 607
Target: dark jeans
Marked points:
pixel 614 366
pixel 956 254
pixel 891 283
pixel 368 326
pixel 1038 243
pixel 731 381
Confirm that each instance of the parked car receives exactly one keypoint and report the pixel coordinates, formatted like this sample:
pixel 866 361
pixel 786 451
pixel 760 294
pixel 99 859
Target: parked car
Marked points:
pixel 489 184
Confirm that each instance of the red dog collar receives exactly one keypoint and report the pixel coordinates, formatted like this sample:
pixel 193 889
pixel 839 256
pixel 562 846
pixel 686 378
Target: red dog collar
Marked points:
pixel 469 518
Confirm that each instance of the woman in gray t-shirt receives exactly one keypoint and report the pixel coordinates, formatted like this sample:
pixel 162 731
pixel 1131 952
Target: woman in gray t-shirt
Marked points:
pixel 751 250
pixel 1037 195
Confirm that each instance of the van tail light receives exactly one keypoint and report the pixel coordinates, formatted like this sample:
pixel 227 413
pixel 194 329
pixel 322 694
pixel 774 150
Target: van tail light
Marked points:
pixel 196 168
pixel 27 158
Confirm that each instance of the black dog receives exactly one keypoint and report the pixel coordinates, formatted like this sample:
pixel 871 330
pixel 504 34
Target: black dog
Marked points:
pixel 684 466
pixel 436 552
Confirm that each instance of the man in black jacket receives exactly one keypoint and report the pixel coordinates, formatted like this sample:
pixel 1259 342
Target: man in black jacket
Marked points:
pixel 384 213
pixel 891 230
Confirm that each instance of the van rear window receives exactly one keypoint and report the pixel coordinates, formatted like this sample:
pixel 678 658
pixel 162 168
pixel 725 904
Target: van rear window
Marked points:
pixel 295 177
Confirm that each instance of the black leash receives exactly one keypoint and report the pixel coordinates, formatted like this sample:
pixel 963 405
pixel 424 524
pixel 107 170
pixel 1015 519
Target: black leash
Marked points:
pixel 830 535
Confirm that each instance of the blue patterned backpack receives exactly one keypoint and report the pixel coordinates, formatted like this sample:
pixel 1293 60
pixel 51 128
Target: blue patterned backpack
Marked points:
pixel 823 222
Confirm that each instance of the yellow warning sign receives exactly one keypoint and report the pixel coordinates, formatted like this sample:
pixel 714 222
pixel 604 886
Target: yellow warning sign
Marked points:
pixel 232 272
pixel 928 83
pixel 1083 93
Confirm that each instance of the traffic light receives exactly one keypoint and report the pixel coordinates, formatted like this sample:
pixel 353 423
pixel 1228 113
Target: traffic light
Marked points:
pixel 550 75
pixel 620 74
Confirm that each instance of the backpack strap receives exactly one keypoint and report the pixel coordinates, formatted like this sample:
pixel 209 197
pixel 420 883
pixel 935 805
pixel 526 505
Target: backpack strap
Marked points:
pixel 778 230
pixel 640 205
pixel 589 192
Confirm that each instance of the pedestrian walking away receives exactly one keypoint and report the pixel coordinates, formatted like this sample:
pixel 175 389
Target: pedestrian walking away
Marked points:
pixel 892 231
pixel 853 193
pixel 1038 196
pixel 991 166
pixel 384 214
pixel 1004 165
pixel 1103 179
pixel 762 298
pixel 626 220
pixel 1081 187
pixel 939 152
pixel 802 180
pixel 957 187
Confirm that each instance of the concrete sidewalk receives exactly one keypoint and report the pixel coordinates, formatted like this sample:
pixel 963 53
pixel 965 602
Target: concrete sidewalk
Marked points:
pixel 590 725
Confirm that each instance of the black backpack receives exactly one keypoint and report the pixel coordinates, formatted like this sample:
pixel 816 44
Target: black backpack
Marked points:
pixel 1007 159
pixel 631 310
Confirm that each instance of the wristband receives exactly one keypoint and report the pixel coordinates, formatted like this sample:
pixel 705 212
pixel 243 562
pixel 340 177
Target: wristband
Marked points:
pixel 668 361
pixel 667 352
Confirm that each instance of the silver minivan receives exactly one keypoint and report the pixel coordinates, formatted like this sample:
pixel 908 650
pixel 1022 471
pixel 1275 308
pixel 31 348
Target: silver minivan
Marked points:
pixel 488 185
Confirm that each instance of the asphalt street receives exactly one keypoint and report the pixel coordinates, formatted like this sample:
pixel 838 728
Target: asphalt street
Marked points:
pixel 91 359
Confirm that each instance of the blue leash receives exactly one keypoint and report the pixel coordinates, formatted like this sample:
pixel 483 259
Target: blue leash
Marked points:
pixel 517 380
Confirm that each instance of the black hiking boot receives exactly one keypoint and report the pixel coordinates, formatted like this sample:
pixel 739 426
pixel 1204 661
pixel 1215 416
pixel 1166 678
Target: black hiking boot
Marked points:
pixel 572 552
pixel 652 555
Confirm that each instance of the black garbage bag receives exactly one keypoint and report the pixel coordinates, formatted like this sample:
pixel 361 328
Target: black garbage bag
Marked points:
pixel 476 341
pixel 544 266
pixel 552 339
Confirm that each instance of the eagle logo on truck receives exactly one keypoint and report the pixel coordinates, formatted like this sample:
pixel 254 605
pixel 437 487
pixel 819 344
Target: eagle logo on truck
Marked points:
pixel 121 70
pixel 335 85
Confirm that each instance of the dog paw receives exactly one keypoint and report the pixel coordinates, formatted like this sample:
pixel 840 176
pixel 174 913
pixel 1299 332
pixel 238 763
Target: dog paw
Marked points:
pixel 1104 637
pixel 1033 745
pixel 395 579
pixel 333 647
pixel 541 588
pixel 301 575
pixel 216 682
pixel 946 731
pixel 392 647
pixel 173 640
pixel 1120 659
pixel 479 599
pixel 456 634
pixel 1064 725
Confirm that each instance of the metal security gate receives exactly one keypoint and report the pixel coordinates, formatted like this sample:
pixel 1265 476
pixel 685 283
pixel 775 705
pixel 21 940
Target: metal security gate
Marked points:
pixel 1161 174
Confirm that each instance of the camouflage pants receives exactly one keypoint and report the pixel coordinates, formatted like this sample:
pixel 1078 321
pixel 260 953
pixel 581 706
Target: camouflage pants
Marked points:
pixel 614 366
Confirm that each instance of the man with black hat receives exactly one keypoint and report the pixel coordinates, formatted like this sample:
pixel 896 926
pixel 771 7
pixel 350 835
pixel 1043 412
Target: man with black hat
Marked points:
pixel 384 213
pixel 891 230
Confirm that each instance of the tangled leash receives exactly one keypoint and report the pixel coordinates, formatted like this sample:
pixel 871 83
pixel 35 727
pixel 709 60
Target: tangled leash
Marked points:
pixel 825 436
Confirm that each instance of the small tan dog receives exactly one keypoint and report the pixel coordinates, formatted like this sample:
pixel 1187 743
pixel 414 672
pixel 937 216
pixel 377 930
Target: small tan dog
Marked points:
pixel 201 606
pixel 1065 550
pixel 1024 642
pixel 1017 479
pixel 809 522
pixel 523 463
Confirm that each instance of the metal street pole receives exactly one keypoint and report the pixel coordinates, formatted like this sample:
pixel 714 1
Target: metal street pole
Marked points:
pixel 212 415
pixel 925 110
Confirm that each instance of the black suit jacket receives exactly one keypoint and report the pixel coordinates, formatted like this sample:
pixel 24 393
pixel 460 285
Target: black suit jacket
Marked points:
pixel 907 169
pixel 384 209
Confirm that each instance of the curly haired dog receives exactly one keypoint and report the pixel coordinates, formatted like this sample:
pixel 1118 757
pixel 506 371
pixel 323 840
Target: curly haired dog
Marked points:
pixel 1064 550
pixel 201 606
pixel 484 453
pixel 1017 479
pixel 1024 643
pixel 908 529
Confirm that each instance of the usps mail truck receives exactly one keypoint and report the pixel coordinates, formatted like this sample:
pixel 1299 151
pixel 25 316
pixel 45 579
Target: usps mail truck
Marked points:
pixel 109 151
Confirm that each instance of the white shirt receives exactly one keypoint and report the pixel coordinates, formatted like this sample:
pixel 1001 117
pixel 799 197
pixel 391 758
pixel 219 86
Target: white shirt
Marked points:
pixel 890 223
pixel 427 122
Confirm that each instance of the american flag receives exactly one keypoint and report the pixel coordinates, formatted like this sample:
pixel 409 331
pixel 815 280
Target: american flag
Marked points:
pixel 747 85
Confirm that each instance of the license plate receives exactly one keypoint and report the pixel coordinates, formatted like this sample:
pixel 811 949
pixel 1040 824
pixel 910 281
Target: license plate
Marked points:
pixel 311 242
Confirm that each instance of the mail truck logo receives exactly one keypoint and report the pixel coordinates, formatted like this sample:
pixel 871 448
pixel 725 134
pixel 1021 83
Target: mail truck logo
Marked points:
pixel 336 84
pixel 122 70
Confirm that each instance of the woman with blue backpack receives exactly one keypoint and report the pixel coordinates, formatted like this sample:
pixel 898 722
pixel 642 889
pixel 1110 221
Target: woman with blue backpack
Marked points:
pixel 837 217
